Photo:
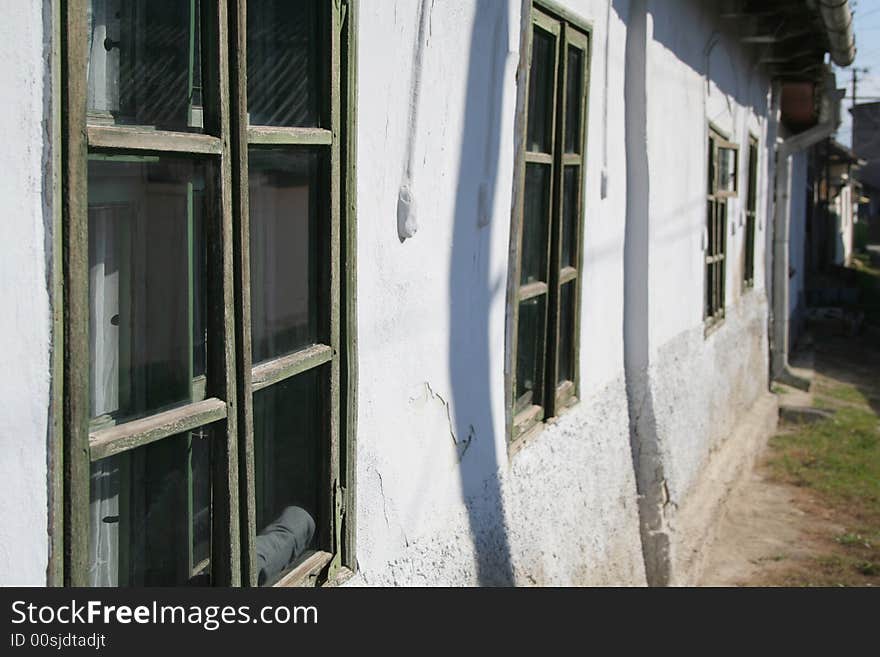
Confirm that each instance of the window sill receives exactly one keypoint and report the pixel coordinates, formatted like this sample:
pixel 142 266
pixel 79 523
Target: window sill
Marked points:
pixel 529 424
pixel 712 324
pixel 306 574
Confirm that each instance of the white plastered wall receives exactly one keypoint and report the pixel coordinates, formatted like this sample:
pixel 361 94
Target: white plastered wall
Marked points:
pixel 25 321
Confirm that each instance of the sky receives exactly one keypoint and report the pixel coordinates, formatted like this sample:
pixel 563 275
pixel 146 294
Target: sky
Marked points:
pixel 867 28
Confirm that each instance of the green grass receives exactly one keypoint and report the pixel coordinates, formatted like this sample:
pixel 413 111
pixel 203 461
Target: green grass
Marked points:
pixel 838 457
pixel 846 393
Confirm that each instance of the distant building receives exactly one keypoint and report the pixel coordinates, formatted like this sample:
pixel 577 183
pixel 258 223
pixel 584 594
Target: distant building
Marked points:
pixel 866 144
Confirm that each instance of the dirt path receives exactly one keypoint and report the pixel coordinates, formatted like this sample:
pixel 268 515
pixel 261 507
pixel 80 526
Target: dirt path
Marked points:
pixel 768 528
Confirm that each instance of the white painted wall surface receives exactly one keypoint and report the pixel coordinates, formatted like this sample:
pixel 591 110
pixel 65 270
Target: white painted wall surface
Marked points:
pixel 432 309
pixel 698 74
pixel 25 320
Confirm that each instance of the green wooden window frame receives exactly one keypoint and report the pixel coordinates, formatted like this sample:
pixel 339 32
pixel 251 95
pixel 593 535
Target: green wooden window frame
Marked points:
pixel 751 215
pixel 223 398
pixel 717 195
pixel 556 290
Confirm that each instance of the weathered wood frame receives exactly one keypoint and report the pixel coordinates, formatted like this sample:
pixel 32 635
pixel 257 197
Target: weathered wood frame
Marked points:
pixel 227 398
pixel 714 299
pixel 568 29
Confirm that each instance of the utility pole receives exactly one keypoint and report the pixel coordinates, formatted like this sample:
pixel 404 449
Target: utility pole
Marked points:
pixel 855 82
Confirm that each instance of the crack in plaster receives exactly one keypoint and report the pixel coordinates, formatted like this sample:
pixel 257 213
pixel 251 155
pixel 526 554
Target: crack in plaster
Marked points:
pixel 461 446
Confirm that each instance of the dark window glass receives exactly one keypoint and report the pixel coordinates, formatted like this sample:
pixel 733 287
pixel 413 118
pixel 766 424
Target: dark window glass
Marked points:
pixel 144 64
pixel 287 250
pixel 570 214
pixel 150 514
pixel 573 95
pixel 530 352
pixel 147 280
pixel 566 331
pixel 711 168
pixel 751 201
pixel 285 40
pixel 289 443
pixel 541 82
pixel 535 222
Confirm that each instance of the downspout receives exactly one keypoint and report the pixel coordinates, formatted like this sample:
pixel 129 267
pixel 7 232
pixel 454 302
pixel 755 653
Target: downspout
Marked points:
pixel 829 120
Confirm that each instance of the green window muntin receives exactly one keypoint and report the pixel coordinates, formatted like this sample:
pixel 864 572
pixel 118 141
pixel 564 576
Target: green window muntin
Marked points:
pixel 206 202
pixel 722 175
pixel 547 222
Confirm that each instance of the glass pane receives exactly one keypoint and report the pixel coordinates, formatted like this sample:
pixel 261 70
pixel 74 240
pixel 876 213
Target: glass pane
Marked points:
pixel 288 262
pixel 150 514
pixel 541 82
pixel 530 352
pixel 285 53
pixel 570 216
pixel 290 443
pixel 147 280
pixel 753 178
pixel 710 168
pixel 144 63
pixel 726 170
pixel 573 95
pixel 566 331
pixel 535 222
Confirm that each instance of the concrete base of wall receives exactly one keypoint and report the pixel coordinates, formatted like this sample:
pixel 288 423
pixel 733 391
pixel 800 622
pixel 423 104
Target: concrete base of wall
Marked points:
pixel 697 521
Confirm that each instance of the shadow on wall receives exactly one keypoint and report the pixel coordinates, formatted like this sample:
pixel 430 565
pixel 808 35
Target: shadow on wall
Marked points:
pixel 472 292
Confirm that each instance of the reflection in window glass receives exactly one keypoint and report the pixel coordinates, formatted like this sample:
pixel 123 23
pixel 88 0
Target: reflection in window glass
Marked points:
pixel 570 214
pixel 284 68
pixel 726 170
pixel 150 514
pixel 530 352
pixel 289 476
pixel 535 224
pixel 288 266
pixel 541 81
pixel 147 280
pixel 566 331
pixel 573 95
pixel 144 64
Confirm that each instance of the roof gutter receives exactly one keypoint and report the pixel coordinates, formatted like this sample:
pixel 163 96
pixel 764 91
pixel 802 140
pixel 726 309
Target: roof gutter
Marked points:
pixel 837 18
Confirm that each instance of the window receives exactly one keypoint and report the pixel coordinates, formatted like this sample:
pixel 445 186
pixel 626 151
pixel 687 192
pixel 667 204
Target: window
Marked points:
pixel 206 216
pixel 722 175
pixel 751 215
pixel 547 220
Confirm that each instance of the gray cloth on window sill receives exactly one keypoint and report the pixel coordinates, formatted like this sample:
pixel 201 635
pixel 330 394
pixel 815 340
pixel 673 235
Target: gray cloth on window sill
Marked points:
pixel 283 541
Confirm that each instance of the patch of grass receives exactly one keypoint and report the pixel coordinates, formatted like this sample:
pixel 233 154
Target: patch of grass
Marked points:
pixel 838 457
pixel 839 460
pixel 846 393
pixel 853 539
pixel 778 389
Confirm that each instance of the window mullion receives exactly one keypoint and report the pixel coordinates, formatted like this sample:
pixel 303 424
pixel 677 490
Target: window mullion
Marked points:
pixel 551 349
pixel 242 294
pixel 226 551
pixel 76 298
pixel 335 492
